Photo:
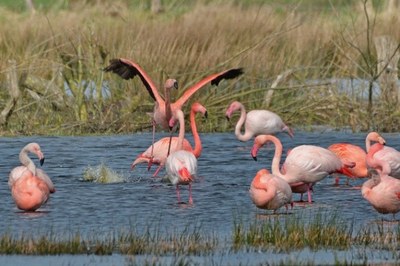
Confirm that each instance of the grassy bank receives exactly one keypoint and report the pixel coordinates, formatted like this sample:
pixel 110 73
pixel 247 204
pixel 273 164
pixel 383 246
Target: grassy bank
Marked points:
pixel 57 55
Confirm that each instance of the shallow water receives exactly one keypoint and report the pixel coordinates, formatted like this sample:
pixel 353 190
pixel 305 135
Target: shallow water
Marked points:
pixel 220 193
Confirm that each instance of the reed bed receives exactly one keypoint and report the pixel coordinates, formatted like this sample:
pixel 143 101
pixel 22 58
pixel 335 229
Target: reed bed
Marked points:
pixel 64 47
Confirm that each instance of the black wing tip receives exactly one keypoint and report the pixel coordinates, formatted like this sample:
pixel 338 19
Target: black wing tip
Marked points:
pixel 229 74
pixel 121 68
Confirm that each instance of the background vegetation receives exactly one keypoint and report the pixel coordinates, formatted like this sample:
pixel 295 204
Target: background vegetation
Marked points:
pixel 58 52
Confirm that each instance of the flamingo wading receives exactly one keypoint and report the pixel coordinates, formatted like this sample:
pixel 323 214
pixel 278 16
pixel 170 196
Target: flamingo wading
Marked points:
pixel 161 146
pixel 256 122
pixel 30 186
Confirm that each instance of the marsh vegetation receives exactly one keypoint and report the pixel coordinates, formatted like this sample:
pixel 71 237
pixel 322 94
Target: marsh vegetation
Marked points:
pixel 56 56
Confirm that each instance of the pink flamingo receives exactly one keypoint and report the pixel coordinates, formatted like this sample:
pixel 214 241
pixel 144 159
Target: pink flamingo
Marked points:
pixel 392 157
pixel 181 165
pixel 304 165
pixel 382 190
pixel 348 152
pixel 257 122
pixel 270 192
pixel 30 186
pixel 164 109
pixel 160 152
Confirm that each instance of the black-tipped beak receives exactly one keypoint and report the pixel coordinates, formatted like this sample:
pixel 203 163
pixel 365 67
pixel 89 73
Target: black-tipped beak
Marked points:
pixel 41 161
pixel 254 158
pixel 227 118
pixel 176 84
pixel 206 114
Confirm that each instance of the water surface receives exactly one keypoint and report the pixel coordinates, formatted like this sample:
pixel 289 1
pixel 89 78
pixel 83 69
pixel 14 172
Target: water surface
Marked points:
pixel 220 192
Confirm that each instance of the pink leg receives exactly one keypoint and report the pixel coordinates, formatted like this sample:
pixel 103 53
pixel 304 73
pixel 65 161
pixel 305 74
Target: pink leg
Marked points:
pixel 309 193
pixel 152 143
pixel 178 194
pixel 157 170
pixel 190 194
pixel 337 180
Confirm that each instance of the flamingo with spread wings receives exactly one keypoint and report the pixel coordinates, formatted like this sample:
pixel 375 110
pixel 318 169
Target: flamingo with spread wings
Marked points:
pixel 161 147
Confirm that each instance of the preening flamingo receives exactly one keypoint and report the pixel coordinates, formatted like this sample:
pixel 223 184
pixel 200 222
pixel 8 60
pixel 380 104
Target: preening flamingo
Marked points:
pixel 256 122
pixel 30 186
pixel 392 157
pixel 270 192
pixel 160 151
pixel 348 152
pixel 304 165
pixel 181 165
pixel 382 190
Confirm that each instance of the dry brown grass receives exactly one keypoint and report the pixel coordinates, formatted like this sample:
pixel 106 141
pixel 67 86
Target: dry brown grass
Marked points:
pixel 188 44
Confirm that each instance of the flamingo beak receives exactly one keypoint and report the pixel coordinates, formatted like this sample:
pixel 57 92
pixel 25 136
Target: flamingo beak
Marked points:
pixel 176 84
pixel 206 114
pixel 255 158
pixel 41 161
pixel 228 118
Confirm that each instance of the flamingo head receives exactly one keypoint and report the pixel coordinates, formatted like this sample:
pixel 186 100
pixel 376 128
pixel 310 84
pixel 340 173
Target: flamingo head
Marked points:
pixel 198 108
pixel 232 108
pixel 171 83
pixel 374 136
pixel 35 148
pixel 254 151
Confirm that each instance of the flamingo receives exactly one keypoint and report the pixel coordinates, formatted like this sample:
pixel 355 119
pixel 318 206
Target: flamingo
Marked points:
pixel 181 165
pixel 30 186
pixel 392 157
pixel 304 165
pixel 268 191
pixel 257 122
pixel 348 152
pixel 382 190
pixel 161 147
pixel 163 108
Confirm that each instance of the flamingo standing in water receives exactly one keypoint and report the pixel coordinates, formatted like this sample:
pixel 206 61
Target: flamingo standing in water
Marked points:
pixel 348 152
pixel 382 190
pixel 163 108
pixel 30 186
pixel 304 165
pixel 270 192
pixel 257 122
pixel 161 147
pixel 181 165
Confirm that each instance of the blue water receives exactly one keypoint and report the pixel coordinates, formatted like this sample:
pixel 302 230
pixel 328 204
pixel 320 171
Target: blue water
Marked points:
pixel 220 192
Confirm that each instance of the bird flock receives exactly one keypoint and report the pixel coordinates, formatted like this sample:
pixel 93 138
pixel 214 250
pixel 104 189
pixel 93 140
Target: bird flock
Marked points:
pixel 270 189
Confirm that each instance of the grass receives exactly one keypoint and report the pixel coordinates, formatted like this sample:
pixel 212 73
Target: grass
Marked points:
pixel 318 231
pixel 68 45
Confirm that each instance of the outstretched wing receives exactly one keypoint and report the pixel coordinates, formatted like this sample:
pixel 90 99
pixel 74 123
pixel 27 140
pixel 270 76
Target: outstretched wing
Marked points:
pixel 127 69
pixel 213 79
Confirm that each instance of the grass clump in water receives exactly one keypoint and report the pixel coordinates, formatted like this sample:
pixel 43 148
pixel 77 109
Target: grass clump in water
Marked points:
pixel 320 231
pixel 102 174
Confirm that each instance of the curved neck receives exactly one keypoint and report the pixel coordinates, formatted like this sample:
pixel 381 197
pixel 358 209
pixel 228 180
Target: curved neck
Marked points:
pixel 246 136
pixel 275 167
pixel 26 161
pixel 197 142
pixel 381 166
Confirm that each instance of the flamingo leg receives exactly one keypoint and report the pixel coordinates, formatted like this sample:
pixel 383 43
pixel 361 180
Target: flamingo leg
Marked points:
pixel 190 194
pixel 169 144
pixel 309 193
pixel 178 194
pixel 152 146
pixel 157 170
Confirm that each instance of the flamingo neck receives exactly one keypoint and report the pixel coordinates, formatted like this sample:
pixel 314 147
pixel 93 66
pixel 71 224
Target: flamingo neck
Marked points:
pixel 197 142
pixel 167 104
pixel 181 135
pixel 246 136
pixel 381 166
pixel 26 161
pixel 275 167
